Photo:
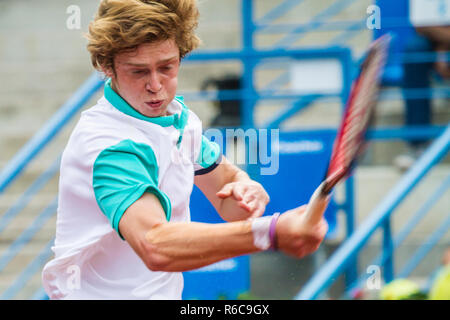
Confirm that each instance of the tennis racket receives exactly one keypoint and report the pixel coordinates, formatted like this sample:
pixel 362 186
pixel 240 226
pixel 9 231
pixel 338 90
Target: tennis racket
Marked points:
pixel 350 140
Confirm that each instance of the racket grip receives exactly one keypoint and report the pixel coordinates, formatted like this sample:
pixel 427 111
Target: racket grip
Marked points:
pixel 317 205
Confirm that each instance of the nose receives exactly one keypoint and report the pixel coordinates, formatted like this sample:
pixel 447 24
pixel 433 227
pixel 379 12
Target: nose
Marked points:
pixel 153 83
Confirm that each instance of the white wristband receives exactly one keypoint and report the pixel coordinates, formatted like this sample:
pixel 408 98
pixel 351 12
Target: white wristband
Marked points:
pixel 261 232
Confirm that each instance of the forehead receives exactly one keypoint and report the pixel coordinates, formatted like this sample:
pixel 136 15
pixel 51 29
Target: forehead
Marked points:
pixel 150 53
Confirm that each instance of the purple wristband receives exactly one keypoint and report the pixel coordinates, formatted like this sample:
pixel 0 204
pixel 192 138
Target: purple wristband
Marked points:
pixel 272 233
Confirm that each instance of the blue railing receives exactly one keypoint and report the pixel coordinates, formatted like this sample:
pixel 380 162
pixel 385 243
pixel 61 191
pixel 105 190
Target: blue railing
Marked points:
pixel 38 142
pixel 16 167
pixel 380 219
pixel 251 59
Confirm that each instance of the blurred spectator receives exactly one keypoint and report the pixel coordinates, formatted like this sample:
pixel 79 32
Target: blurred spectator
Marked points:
pixel 229 109
pixel 417 75
pixel 406 289
pixel 440 289
pixel 402 289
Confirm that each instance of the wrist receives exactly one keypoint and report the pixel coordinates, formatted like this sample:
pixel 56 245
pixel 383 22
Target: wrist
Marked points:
pixel 264 232
pixel 272 231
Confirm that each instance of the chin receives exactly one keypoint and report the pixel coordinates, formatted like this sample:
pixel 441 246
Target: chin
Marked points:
pixel 153 113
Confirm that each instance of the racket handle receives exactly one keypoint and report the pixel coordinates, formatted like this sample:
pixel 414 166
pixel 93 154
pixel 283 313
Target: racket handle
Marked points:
pixel 317 205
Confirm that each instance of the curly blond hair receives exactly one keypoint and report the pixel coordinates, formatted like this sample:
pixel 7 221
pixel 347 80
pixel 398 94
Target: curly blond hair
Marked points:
pixel 123 25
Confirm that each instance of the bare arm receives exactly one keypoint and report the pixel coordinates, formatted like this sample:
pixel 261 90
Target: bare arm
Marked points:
pixel 181 246
pixel 232 193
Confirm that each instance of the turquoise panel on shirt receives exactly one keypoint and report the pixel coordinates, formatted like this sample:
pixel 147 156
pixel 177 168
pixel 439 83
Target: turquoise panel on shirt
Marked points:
pixel 121 175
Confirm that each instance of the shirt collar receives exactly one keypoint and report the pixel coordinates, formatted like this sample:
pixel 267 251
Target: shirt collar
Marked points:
pixel 177 120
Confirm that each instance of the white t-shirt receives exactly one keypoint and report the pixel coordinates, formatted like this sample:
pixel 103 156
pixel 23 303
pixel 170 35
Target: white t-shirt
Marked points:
pixel 113 156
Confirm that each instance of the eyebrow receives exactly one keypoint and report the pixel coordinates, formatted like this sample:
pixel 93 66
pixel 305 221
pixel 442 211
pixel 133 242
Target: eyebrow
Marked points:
pixel 134 64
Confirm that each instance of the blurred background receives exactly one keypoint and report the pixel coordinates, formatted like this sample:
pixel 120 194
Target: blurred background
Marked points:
pixel 390 220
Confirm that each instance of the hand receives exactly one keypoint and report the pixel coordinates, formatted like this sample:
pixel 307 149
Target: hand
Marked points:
pixel 250 196
pixel 296 235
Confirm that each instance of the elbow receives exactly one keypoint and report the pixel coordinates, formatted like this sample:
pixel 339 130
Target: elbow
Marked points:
pixel 155 262
pixel 153 257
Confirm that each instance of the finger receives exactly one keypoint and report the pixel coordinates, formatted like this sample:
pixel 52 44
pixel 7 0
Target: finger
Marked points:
pixel 266 197
pixel 257 208
pixel 245 206
pixel 324 228
pixel 225 192
pixel 248 198
pixel 238 193
pixel 260 193
pixel 249 205
pixel 252 205
pixel 259 211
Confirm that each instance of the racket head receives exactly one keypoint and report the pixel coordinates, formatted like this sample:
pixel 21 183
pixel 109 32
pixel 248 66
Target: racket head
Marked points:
pixel 358 114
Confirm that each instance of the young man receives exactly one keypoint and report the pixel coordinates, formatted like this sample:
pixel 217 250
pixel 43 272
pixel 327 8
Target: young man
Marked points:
pixel 123 227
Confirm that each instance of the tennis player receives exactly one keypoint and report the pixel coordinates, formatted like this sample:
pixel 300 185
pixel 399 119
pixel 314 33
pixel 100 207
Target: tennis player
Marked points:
pixel 123 226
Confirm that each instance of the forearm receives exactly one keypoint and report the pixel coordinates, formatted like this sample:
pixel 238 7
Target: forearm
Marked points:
pixel 229 208
pixel 232 193
pixel 240 176
pixel 181 246
pixel 189 245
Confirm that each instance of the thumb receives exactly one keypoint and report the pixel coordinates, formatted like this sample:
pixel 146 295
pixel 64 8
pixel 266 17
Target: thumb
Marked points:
pixel 301 209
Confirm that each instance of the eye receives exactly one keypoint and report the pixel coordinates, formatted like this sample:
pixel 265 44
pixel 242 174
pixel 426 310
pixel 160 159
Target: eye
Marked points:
pixel 139 72
pixel 167 68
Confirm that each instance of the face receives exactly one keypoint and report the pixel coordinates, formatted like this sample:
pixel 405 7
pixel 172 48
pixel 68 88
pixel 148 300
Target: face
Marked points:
pixel 147 77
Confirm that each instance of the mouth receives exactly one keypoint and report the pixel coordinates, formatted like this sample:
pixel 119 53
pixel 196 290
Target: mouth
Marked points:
pixel 155 104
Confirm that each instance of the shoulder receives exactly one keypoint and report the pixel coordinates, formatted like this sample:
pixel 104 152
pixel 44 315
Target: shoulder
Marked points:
pixel 191 117
pixel 99 128
pixel 190 123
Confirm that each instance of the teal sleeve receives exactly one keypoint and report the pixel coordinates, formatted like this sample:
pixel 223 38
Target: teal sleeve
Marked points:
pixel 209 156
pixel 121 175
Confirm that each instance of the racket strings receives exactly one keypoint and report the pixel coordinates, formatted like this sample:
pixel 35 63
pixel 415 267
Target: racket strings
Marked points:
pixel 358 114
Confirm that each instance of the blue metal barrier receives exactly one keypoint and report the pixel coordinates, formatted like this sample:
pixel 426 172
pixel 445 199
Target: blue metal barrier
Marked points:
pixel 295 34
pixel 381 215
pixel 384 257
pixel 18 164
pixel 36 144
pixel 28 234
pixel 30 270
pixel 26 197
pixel 428 244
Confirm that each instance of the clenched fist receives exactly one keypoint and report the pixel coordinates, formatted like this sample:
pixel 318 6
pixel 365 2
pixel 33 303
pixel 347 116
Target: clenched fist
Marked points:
pixel 297 235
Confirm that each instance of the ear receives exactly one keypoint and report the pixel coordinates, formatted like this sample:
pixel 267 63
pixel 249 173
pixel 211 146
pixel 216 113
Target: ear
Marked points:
pixel 108 72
